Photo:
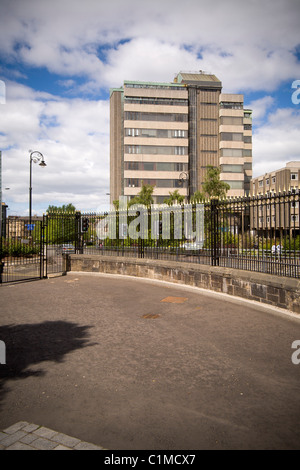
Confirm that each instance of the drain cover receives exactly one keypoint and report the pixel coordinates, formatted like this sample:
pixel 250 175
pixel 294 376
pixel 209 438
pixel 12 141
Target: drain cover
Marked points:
pixel 175 300
pixel 151 315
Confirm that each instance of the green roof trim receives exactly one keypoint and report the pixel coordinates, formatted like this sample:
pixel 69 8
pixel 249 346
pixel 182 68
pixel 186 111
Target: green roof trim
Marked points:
pixel 131 82
pixel 111 90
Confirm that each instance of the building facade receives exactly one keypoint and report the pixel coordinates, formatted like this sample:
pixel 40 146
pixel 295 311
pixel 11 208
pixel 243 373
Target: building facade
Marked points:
pixel 279 196
pixel 166 134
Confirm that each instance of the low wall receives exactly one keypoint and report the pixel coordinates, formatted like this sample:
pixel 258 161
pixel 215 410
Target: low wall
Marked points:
pixel 273 290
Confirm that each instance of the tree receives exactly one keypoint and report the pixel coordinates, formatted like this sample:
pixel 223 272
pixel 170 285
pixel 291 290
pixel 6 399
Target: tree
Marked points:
pixel 69 208
pixel 174 197
pixel 197 197
pixel 212 185
pixel 144 196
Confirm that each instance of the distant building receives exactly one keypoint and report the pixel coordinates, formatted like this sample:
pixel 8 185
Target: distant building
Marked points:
pixel 277 181
pixel 166 134
pixel 278 195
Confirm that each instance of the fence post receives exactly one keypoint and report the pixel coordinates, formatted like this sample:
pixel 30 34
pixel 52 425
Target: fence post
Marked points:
pixel 214 232
pixel 78 247
pixel 43 245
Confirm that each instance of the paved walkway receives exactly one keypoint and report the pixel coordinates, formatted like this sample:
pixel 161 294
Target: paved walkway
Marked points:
pixel 129 364
pixel 29 436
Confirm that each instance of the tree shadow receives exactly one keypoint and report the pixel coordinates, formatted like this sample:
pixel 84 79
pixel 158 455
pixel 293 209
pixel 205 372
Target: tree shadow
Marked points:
pixel 31 344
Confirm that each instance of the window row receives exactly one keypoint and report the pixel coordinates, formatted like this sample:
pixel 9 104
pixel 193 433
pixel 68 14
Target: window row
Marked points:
pixel 231 120
pixel 164 183
pixel 235 137
pixel 236 153
pixel 155 166
pixel 235 184
pixel 165 117
pixel 156 150
pixel 231 105
pixel 232 168
pixel 159 133
pixel 157 101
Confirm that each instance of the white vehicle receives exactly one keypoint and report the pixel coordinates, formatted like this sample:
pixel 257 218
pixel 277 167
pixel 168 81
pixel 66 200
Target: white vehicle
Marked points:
pixel 193 245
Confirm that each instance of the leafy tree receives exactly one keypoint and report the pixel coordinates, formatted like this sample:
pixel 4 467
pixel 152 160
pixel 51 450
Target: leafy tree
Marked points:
pixel 197 197
pixel 174 197
pixel 212 185
pixel 69 208
pixel 144 196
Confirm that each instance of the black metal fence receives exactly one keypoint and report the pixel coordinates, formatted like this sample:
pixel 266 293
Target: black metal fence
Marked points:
pixel 21 250
pixel 256 234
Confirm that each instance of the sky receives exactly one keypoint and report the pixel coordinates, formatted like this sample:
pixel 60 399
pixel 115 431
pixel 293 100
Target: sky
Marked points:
pixel 59 58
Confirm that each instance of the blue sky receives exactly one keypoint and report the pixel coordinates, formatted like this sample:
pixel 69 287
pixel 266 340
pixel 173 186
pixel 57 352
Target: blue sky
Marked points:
pixel 58 60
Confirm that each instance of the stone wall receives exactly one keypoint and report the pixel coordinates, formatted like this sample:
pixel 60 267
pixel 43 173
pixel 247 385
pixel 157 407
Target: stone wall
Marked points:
pixel 281 292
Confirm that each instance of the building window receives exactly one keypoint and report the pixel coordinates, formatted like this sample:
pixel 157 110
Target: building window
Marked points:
pixel 273 179
pixel 294 176
pixel 232 168
pixel 158 133
pixel 260 183
pixel 267 181
pixel 164 117
pixel 235 184
pixel 247 139
pixel 156 150
pixel 231 136
pixel 231 120
pixel 231 105
pixel 232 153
pixel 157 101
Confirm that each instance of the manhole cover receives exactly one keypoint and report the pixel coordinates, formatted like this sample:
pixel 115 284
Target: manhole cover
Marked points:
pixel 175 300
pixel 151 315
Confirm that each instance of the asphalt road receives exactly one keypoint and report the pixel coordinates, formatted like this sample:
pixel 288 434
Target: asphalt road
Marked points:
pixel 131 364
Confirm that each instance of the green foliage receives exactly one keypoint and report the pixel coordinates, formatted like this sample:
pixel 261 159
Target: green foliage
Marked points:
pixel 197 197
pixel 174 197
pixel 16 248
pixel 144 197
pixel 61 229
pixel 212 185
pixel 69 209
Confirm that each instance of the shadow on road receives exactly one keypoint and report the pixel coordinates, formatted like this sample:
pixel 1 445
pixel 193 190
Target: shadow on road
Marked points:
pixel 31 344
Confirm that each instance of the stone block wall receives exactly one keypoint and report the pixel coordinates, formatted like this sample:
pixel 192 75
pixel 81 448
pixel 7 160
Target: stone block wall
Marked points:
pixel 278 291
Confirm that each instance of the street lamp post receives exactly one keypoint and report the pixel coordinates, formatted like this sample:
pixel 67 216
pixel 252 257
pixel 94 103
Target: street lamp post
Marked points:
pixel 35 157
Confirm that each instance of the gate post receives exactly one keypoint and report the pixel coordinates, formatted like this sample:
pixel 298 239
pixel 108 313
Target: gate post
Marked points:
pixel 43 245
pixel 214 236
pixel 78 247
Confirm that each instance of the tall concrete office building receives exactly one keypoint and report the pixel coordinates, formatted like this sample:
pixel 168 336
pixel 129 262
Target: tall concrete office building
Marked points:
pixel 166 134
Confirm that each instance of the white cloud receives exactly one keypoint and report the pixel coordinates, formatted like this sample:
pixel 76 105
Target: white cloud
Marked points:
pixel 248 44
pixel 260 107
pixel 277 142
pixel 72 135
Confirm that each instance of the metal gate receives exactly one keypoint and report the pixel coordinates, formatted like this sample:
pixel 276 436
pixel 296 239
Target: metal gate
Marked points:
pixel 21 250
pixel 34 249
